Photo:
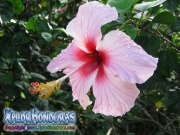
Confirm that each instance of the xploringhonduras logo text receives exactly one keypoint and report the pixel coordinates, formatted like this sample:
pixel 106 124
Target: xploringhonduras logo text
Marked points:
pixel 35 120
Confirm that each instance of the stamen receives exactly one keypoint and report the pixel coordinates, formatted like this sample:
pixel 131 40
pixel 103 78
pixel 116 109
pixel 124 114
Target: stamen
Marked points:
pixel 45 90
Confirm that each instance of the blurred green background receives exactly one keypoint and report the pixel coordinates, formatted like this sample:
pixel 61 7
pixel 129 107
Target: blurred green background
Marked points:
pixel 32 32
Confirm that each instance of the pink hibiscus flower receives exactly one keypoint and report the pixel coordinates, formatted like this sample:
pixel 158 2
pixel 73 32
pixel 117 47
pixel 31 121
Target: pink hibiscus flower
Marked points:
pixel 111 65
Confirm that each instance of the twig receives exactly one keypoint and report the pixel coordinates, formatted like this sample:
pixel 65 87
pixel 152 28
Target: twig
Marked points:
pixel 112 125
pixel 170 122
pixel 124 24
pixel 162 37
pixel 78 130
pixel 147 114
pixel 109 131
pixel 73 9
pixel 137 119
pixel 141 17
pixel 156 34
pixel 50 10
pixel 127 129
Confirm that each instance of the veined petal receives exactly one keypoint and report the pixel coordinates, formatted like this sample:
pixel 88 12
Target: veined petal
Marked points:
pixel 126 59
pixel 113 97
pixel 72 56
pixel 86 26
pixel 82 81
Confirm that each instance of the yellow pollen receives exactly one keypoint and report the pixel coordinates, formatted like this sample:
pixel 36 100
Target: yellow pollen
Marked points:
pixel 47 89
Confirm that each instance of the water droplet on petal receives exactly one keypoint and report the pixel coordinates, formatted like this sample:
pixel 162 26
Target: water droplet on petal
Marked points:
pixel 125 38
pixel 128 46
pixel 126 55
pixel 107 18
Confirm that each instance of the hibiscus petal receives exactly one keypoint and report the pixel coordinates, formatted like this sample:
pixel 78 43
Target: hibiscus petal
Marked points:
pixel 70 57
pixel 126 59
pixel 113 97
pixel 82 81
pixel 86 26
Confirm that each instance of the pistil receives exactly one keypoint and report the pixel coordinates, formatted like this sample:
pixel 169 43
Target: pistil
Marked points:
pixel 45 90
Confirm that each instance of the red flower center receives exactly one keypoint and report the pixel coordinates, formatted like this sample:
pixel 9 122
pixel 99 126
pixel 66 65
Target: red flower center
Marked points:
pixel 96 56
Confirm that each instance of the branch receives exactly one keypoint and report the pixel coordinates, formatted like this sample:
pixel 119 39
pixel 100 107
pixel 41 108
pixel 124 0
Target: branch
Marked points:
pixel 157 123
pixel 78 130
pixel 157 35
pixel 50 10
pixel 170 122
pixel 140 119
pixel 112 125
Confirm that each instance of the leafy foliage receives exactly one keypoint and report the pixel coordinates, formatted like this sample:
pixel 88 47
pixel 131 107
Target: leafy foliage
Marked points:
pixel 121 5
pixel 32 32
pixel 165 18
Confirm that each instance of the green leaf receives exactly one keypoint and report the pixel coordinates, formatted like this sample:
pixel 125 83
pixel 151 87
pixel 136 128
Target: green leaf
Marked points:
pixel 156 82
pixel 61 30
pixel 150 44
pixel 167 62
pixel 1 33
pixel 61 97
pixel 176 27
pixel 165 18
pixel 17 6
pixel 131 31
pixel 172 101
pixel 109 26
pixel 171 4
pixel 6 11
pixel 11 91
pixel 121 5
pixel 155 97
pixel 6 78
pixel 20 38
pixel 41 104
pixel 19 68
pixel 91 115
pixel 100 133
pixel 31 22
pixel 47 36
pixel 23 95
pixel 41 25
pixel 145 5
pixel 36 23
pixel 22 85
pixel 159 133
pixel 104 1
pixel 3 64
pixel 36 75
